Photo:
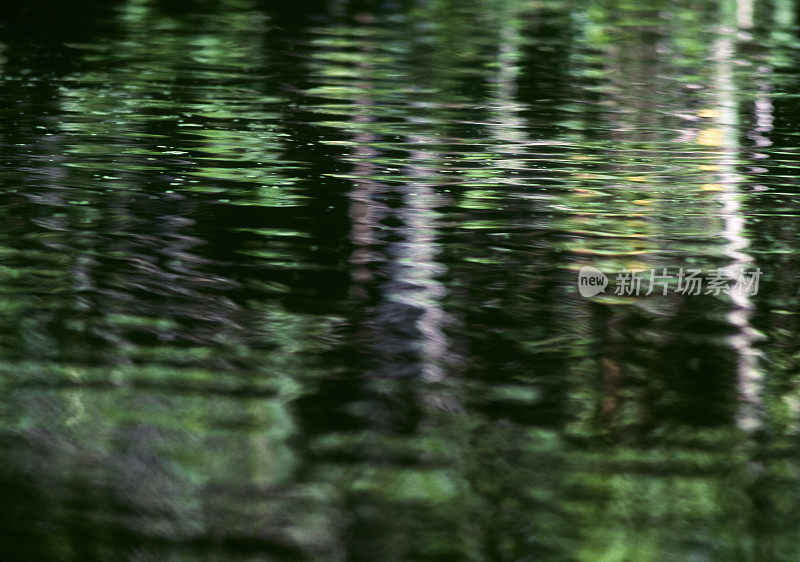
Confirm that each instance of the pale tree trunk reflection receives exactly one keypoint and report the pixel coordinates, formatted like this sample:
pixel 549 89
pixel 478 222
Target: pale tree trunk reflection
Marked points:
pixel 395 268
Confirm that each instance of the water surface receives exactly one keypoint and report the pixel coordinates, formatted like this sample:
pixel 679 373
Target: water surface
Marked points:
pixel 298 280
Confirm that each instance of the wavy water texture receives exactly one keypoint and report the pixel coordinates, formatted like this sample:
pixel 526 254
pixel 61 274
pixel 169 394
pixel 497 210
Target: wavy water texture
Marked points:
pixel 297 280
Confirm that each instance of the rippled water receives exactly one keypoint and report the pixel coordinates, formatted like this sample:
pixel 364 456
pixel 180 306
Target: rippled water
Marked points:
pixel 298 280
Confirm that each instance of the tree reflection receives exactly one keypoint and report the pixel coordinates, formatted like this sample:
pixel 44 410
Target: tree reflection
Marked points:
pixel 297 281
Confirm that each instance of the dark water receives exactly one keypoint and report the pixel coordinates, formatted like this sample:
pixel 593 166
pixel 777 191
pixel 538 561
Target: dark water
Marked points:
pixel 296 280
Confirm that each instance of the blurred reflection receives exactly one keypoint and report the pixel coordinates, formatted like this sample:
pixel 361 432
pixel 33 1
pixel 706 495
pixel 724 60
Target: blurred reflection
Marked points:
pixel 297 281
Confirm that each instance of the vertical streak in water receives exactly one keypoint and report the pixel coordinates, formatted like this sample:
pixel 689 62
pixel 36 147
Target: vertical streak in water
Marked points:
pixel 510 125
pixel 744 14
pixel 750 378
pixel 411 290
pixel 364 211
pixel 763 109
pixel 419 253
